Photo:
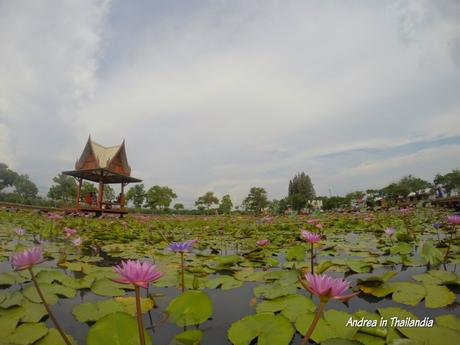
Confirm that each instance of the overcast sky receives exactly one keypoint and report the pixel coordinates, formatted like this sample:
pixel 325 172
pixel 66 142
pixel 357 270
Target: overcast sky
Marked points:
pixel 225 95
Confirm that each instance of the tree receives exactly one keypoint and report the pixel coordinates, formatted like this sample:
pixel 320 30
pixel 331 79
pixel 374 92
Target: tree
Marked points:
pixel 207 200
pixel 158 197
pixel 178 206
pixel 404 186
pixel 449 181
pixel 7 176
pixel 226 205
pixel 109 194
pixel 65 188
pixel 256 200
pixel 300 191
pixel 136 195
pixel 25 188
pixel 87 188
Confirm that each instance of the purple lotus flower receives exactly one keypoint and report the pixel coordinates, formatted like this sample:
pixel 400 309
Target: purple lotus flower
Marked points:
pixel 27 258
pixel 20 231
pixel 54 216
pixel 454 219
pixel 263 242
pixel 182 246
pixel 137 273
pixel 326 287
pixel 436 225
pixel 390 231
pixel 310 236
pixel 76 241
pixel 69 232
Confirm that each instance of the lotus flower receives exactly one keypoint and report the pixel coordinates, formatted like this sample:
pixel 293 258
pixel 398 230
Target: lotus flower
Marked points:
pixel 390 231
pixel 319 226
pixel 69 232
pixel 310 236
pixel 182 246
pixel 263 242
pixel 454 219
pixel 436 225
pixel 27 258
pixel 312 221
pixel 54 216
pixel 20 231
pixel 137 273
pixel 326 287
pixel 405 211
pixel 76 241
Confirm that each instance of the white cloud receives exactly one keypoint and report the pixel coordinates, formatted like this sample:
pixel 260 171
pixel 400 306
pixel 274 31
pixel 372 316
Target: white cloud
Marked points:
pixel 227 95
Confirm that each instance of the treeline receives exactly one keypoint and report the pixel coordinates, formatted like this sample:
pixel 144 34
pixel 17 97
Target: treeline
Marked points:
pixel 18 188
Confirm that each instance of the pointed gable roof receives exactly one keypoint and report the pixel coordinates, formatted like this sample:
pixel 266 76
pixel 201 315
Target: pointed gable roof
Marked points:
pixel 97 156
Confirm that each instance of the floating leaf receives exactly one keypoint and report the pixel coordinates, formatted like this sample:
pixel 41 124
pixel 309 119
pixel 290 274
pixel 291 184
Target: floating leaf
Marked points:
pixel 116 329
pixel 54 338
pixel 27 333
pixel 296 253
pixel 290 306
pixel 129 304
pixel 275 290
pixel 266 327
pixel 89 312
pixel 106 287
pixel 190 308
pixel 449 321
pixel 431 254
pixel 223 281
pixel 191 337
pixel 438 296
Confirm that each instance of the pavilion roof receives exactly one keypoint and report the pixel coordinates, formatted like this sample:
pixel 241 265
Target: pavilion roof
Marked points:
pixel 107 176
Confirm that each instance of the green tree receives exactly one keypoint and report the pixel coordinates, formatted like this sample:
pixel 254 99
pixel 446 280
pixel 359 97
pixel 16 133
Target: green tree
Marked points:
pixel 300 191
pixel 87 187
pixel 109 193
pixel 226 205
pixel 449 181
pixel 158 197
pixel 178 206
pixel 64 188
pixel 256 200
pixel 7 176
pixel 25 188
pixel 136 195
pixel 207 200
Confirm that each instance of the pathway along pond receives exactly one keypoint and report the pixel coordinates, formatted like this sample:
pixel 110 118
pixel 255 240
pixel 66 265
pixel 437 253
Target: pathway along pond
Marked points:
pixel 353 246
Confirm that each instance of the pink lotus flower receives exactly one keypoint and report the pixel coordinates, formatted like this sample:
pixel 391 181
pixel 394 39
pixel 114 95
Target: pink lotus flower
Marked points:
pixel 137 273
pixel 54 216
pixel 390 231
pixel 20 231
pixel 326 287
pixel 312 221
pixel 69 232
pixel 263 242
pixel 27 258
pixel 310 236
pixel 76 242
pixel 454 219
pixel 405 211
pixel 319 226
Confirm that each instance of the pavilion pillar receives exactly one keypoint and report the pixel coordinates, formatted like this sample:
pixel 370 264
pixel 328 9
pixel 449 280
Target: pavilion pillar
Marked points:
pixel 122 196
pixel 80 180
pixel 101 191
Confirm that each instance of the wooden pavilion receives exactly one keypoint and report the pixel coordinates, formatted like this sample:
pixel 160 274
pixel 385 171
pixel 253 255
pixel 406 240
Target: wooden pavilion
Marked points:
pixel 103 165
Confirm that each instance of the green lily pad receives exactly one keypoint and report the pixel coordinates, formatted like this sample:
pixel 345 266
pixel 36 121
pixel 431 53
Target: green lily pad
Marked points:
pixel 89 312
pixel 7 278
pixel 438 296
pixel 27 333
pixel 224 282
pixel 431 254
pixel 275 290
pixel 191 337
pixel 296 253
pixel 408 293
pixel 291 306
pixel 340 341
pixel 269 329
pixel 12 299
pixel 33 312
pixel 449 321
pixel 190 308
pixel 54 338
pixel 129 304
pixel 116 329
pixel 106 287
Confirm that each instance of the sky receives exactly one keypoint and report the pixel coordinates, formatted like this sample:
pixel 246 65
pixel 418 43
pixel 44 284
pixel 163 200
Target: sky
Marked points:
pixel 225 95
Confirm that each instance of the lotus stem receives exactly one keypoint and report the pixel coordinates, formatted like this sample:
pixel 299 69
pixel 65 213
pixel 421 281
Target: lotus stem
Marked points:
pixel 448 246
pixel 48 310
pixel 319 312
pixel 140 324
pixel 312 259
pixel 182 271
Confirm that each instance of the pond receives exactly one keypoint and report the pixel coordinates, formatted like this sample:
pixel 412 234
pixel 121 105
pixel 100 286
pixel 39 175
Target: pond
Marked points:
pixel 402 273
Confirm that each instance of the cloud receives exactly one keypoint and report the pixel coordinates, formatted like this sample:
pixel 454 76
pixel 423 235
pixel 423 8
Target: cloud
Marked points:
pixel 227 95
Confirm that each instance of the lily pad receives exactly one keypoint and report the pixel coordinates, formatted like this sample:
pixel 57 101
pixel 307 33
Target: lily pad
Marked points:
pixel 438 296
pixel 191 337
pixel 190 308
pixel 27 333
pixel 266 327
pixel 224 282
pixel 116 329
pixel 291 306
